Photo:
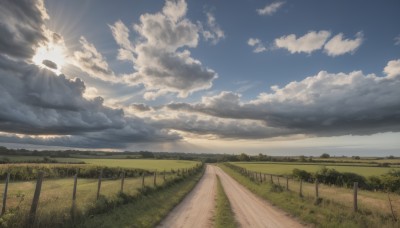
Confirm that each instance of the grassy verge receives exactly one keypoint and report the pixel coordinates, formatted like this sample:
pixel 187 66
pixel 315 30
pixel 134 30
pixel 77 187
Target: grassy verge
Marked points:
pixel 224 217
pixel 321 213
pixel 147 210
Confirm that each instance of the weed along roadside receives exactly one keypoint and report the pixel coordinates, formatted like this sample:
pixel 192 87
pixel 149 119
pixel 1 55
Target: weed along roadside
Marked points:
pixel 318 204
pixel 73 201
pixel 224 216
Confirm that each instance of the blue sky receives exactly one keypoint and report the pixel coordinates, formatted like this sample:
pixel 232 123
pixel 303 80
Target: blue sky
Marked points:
pixel 276 77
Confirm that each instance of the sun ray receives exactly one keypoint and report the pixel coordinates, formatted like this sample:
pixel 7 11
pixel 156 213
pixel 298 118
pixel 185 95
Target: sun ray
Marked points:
pixel 52 55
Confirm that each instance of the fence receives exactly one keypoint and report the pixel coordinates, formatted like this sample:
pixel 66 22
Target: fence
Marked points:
pixel 353 198
pixel 61 199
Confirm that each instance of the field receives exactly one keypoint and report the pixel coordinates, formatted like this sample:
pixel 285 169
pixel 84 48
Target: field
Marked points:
pixel 333 208
pixel 148 164
pixel 287 168
pixel 56 195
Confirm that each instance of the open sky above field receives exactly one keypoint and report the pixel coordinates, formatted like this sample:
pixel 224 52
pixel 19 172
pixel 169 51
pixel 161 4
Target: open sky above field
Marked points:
pixel 275 77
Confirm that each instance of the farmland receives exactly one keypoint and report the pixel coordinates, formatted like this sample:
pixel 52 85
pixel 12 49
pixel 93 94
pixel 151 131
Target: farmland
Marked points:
pixel 287 168
pixel 148 164
pixel 56 195
pixel 332 208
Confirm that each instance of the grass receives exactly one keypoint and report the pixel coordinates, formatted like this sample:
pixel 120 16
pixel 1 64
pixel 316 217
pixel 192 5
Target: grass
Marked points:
pixel 224 217
pixel 56 196
pixel 148 164
pixel 327 212
pixel 147 211
pixel 287 168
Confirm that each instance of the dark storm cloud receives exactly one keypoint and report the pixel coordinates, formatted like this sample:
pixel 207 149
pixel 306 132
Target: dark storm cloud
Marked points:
pixel 323 105
pixel 37 102
pixel 21 27
pixel 50 64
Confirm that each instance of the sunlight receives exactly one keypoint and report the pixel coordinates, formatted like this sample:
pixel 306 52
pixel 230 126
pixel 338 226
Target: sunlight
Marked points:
pixel 52 56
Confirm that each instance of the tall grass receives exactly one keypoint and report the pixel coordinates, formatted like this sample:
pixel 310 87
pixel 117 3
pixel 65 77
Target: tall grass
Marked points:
pixel 224 217
pixel 56 198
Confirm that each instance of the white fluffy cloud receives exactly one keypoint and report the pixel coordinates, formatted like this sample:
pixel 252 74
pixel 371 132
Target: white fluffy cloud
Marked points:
pixel 91 61
pixel 307 43
pixel 161 59
pixel 121 35
pixel 323 105
pixel 257 44
pixel 392 69
pixel 270 9
pixel 215 33
pixel 339 46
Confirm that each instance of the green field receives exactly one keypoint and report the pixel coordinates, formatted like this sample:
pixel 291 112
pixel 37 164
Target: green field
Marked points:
pixel 149 164
pixel 56 195
pixel 287 168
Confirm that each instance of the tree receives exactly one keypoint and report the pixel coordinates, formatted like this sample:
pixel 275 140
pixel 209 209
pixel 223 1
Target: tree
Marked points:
pixel 325 155
pixel 243 157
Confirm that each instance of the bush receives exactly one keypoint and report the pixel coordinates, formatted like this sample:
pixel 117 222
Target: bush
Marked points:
pixel 301 174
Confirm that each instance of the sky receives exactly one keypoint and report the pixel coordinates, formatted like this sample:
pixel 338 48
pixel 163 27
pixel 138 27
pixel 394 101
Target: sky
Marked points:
pixel 247 76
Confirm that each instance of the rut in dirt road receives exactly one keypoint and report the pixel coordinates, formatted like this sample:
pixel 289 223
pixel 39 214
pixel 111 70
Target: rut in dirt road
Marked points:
pixel 250 210
pixel 197 209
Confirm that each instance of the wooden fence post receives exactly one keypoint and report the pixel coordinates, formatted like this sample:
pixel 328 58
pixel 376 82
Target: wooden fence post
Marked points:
pixel 35 201
pixel 3 210
pixel 272 181
pixel 261 180
pixel 99 184
pixel 73 207
pixel 301 188
pixel 316 189
pixel 287 183
pixel 164 175
pixel 355 196
pixel 155 179
pixel 279 183
pixel 74 189
pixel 122 181
pixel 143 180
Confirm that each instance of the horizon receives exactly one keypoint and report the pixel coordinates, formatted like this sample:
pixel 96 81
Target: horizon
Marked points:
pixel 271 77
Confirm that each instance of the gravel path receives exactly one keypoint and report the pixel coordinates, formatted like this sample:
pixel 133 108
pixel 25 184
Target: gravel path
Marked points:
pixel 197 209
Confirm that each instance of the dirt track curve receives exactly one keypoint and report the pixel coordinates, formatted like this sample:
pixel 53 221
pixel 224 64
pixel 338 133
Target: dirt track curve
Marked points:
pixel 197 209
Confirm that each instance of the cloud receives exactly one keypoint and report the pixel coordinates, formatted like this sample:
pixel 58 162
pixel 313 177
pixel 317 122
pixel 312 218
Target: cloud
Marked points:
pixel 397 40
pixel 270 9
pixel 21 27
pixel 121 35
pixel 308 43
pixel 215 33
pixel 162 63
pixel 322 105
pixel 89 60
pixel 339 46
pixel 392 69
pixel 257 44
pixel 40 107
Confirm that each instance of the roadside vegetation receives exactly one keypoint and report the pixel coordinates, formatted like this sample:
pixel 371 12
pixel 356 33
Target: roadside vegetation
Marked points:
pixel 224 216
pixel 56 207
pixel 147 210
pixel 331 209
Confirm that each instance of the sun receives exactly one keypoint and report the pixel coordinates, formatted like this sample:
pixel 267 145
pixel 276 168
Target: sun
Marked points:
pixel 51 56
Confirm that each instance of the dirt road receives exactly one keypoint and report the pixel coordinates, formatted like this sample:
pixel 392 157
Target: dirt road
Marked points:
pixel 197 209
pixel 250 210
